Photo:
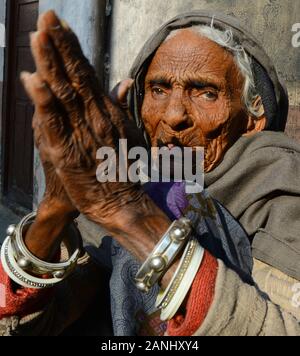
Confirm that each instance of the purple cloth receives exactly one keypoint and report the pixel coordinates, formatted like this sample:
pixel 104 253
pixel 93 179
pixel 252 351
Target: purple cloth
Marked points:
pixel 170 197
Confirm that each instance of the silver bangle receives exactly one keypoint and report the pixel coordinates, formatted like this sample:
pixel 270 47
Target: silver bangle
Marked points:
pixel 16 273
pixel 163 255
pixel 33 265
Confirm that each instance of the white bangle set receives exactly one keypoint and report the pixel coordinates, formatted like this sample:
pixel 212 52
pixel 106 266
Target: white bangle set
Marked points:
pixel 27 270
pixel 170 300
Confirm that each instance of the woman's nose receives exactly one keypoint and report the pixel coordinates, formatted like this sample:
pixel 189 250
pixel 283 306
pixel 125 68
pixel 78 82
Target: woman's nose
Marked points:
pixel 176 115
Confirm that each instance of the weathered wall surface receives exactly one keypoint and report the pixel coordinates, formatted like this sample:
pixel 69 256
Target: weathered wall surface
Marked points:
pixel 2 47
pixel 271 21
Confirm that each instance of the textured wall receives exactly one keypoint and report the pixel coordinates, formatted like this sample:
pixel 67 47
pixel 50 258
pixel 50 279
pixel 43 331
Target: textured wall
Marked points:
pixel 270 20
pixel 2 46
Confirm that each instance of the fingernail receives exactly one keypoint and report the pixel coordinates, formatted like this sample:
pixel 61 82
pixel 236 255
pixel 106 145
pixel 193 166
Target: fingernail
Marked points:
pixel 65 24
pixel 55 28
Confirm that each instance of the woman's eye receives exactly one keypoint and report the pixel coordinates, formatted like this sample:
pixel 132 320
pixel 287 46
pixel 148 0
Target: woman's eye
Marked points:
pixel 158 91
pixel 211 96
pixel 207 95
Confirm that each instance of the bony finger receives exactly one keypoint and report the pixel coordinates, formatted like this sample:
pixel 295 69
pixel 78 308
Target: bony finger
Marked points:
pixel 43 100
pixel 124 88
pixel 61 34
pixel 50 68
pixel 25 79
pixel 48 122
pixel 48 20
pixel 37 89
pixel 42 51
pixel 78 69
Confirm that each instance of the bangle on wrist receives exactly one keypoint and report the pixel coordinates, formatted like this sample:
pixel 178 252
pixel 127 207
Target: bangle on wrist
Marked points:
pixel 17 274
pixel 29 271
pixel 170 300
pixel 163 255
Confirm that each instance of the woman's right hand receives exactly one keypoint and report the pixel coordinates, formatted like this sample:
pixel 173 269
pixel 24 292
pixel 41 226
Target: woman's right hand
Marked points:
pixel 56 210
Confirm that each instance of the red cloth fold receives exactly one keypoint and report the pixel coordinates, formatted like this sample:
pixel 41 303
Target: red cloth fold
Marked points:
pixel 18 301
pixel 189 319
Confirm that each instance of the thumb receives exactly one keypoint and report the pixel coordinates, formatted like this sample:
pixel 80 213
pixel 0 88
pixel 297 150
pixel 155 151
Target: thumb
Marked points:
pixel 120 92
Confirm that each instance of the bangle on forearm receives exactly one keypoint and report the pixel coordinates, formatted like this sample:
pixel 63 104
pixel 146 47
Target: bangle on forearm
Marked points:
pixel 157 264
pixel 170 300
pixel 29 271
pixel 17 274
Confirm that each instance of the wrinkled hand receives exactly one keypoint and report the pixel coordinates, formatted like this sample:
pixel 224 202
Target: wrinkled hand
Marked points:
pixel 55 197
pixel 73 120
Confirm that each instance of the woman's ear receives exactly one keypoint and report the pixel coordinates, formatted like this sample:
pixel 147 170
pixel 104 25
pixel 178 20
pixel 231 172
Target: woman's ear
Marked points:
pixel 257 123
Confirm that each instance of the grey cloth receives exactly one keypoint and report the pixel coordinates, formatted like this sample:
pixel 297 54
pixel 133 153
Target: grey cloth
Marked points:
pixel 258 182
pixel 277 118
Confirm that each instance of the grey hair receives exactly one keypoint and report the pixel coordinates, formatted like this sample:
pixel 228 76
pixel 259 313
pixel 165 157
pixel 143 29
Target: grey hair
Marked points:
pixel 226 40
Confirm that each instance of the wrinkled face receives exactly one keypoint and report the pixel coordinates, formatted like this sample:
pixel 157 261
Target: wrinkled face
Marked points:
pixel 193 97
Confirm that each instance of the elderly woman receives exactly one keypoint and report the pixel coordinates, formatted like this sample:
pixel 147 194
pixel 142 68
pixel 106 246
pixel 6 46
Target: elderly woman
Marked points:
pixel 229 262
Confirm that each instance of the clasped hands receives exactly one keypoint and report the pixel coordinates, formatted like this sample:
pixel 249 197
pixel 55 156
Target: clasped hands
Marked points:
pixel 73 119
